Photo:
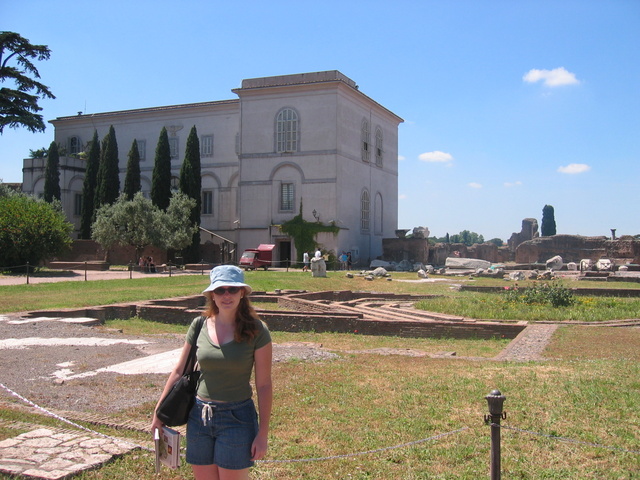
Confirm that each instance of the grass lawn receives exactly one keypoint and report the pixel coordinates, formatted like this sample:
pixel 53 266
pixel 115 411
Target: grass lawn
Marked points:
pixel 588 392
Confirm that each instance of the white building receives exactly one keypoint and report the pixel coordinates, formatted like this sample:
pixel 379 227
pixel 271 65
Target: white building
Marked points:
pixel 313 138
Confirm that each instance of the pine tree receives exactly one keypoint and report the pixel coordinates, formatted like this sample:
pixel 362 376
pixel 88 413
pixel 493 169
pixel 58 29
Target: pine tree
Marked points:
pixel 191 185
pixel 108 185
pixel 548 226
pixel 52 174
pixel 161 178
pixel 89 187
pixel 132 178
pixel 19 105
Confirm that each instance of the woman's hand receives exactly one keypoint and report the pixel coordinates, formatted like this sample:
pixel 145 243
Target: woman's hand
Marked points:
pixel 259 447
pixel 156 424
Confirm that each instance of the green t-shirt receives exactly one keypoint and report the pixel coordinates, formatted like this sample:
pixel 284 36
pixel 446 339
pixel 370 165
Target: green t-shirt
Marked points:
pixel 226 369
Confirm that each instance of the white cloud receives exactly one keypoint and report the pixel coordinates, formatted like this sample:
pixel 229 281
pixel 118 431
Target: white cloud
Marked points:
pixel 551 78
pixel 401 158
pixel 475 185
pixel 512 184
pixel 574 168
pixel 402 196
pixel 436 157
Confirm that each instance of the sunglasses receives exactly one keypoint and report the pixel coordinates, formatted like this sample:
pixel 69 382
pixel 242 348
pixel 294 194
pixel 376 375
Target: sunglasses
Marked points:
pixel 223 290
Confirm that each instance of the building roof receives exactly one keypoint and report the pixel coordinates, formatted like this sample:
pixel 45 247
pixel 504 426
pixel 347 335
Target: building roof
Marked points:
pixel 150 109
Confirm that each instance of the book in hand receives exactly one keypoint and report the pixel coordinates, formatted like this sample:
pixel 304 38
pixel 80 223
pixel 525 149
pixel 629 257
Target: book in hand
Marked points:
pixel 167 443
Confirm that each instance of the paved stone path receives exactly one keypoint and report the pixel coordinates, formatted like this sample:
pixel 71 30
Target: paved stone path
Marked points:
pixel 529 344
pixel 52 454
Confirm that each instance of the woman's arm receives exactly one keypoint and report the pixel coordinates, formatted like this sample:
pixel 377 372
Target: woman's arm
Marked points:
pixel 264 388
pixel 175 374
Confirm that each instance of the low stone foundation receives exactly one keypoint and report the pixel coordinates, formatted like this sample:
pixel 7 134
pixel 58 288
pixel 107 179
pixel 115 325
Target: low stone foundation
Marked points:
pixel 319 312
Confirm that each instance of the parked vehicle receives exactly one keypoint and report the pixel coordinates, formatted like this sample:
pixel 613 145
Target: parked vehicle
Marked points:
pixel 260 257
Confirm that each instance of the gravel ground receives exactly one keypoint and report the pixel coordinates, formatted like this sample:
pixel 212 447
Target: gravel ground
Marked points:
pixel 31 370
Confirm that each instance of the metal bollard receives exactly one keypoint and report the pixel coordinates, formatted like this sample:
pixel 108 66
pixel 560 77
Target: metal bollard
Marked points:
pixel 495 399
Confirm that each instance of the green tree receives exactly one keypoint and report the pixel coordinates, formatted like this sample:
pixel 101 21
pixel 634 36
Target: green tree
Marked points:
pixel 108 183
pixel 52 174
pixel 132 183
pixel 19 105
pixel 467 238
pixel 31 230
pixel 139 223
pixel 89 187
pixel 161 177
pixel 548 226
pixel 191 185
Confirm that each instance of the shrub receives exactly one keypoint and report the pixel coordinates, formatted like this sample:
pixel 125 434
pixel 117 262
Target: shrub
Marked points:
pixel 31 230
pixel 552 294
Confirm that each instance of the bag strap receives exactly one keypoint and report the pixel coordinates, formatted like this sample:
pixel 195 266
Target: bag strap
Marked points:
pixel 191 360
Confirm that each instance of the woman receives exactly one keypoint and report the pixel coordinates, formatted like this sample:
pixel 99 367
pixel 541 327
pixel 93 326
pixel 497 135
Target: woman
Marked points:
pixel 224 437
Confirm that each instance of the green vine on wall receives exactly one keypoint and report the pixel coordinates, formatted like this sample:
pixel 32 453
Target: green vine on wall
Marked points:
pixel 304 233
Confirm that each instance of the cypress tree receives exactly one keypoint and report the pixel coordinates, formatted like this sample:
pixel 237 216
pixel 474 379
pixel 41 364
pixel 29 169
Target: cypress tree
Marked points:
pixel 132 178
pixel 161 178
pixel 191 185
pixel 108 185
pixel 89 187
pixel 52 174
pixel 548 226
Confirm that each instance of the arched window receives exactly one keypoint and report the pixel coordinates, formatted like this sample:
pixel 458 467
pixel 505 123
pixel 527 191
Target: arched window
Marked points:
pixel 287 131
pixel 379 146
pixel 365 140
pixel 365 206
pixel 378 212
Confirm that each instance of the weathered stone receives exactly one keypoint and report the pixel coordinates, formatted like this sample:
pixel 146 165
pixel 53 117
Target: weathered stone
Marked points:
pixel 554 263
pixel 318 267
pixel 466 263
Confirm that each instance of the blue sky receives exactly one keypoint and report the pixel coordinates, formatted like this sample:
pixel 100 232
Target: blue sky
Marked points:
pixel 508 105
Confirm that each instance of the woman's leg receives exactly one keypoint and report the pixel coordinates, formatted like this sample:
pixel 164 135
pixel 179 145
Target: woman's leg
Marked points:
pixel 213 472
pixel 205 472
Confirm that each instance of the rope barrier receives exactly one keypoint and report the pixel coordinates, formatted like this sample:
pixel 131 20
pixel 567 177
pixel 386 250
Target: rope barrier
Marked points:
pixel 565 439
pixel 65 420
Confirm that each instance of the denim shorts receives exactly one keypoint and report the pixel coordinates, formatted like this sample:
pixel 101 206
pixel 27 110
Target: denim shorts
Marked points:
pixel 222 434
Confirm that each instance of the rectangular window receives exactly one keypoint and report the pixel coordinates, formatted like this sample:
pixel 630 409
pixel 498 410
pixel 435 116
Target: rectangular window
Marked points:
pixel 206 148
pixel 207 202
pixel 77 204
pixel 74 145
pixel 286 197
pixel 173 147
pixel 142 149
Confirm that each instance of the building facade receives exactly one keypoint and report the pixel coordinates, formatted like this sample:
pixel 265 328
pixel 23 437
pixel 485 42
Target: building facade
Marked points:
pixel 311 140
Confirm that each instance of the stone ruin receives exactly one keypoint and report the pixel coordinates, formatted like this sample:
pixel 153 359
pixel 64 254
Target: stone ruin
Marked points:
pixel 529 231
pixel 524 247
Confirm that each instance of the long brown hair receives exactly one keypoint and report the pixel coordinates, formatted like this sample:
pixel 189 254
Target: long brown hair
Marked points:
pixel 246 317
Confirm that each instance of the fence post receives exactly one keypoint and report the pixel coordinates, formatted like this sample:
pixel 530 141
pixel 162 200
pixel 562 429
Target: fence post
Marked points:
pixel 27 273
pixel 495 399
pixel 85 271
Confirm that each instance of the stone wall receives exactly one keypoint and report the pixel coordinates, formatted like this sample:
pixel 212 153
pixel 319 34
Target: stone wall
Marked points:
pixel 416 250
pixel 91 251
pixel 573 248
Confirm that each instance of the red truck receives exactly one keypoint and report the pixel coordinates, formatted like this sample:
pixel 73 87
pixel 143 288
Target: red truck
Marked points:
pixel 260 257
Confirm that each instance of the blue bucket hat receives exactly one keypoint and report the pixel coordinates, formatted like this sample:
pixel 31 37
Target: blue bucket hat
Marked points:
pixel 227 276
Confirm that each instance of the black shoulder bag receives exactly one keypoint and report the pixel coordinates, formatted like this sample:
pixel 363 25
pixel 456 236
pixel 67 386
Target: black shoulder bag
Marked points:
pixel 174 408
